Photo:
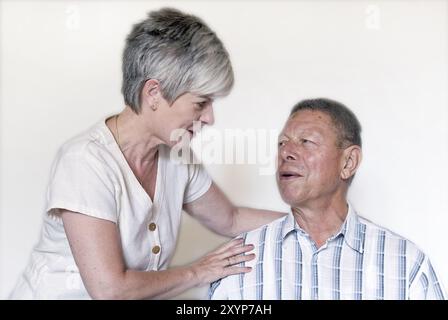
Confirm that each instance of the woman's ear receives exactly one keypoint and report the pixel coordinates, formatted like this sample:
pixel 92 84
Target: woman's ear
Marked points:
pixel 150 93
pixel 351 158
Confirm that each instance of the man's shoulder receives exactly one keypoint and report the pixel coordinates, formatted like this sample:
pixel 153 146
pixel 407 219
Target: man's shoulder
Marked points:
pixel 264 231
pixel 375 230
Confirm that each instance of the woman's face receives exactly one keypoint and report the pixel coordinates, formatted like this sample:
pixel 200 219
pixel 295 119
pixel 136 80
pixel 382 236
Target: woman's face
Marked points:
pixel 186 116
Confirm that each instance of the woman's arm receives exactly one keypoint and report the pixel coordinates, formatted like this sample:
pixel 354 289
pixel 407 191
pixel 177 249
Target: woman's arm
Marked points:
pixel 215 211
pixel 96 247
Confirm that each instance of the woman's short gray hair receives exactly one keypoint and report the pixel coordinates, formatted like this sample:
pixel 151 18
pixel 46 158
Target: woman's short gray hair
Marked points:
pixel 181 52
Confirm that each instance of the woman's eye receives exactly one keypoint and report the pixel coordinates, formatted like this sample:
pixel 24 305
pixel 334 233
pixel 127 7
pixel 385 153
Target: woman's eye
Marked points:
pixel 201 105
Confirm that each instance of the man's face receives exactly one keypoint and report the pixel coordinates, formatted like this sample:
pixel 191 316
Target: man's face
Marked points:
pixel 309 160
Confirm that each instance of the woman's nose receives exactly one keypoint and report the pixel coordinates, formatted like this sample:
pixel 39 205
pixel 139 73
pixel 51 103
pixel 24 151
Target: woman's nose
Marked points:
pixel 207 116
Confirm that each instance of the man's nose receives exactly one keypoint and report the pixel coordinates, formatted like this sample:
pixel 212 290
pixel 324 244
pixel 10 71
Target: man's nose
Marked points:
pixel 288 153
pixel 207 116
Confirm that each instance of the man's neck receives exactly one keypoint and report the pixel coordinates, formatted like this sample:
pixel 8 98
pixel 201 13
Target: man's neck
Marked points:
pixel 321 220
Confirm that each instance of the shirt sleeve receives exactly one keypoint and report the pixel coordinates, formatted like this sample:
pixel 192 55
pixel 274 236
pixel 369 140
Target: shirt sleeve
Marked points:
pixel 425 285
pixel 81 183
pixel 198 183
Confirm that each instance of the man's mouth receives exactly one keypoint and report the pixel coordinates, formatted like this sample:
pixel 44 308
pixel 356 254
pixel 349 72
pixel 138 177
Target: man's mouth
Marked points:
pixel 289 175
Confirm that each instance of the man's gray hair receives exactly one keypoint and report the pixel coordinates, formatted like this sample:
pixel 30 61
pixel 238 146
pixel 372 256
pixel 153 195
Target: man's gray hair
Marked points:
pixel 181 52
pixel 344 120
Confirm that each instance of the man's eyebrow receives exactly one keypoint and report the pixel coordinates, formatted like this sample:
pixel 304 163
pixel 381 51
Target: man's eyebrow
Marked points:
pixel 301 133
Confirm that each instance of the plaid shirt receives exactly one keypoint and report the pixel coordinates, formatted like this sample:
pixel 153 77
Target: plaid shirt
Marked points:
pixel 361 261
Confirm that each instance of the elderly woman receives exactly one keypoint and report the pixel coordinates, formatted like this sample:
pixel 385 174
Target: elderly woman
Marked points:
pixel 115 197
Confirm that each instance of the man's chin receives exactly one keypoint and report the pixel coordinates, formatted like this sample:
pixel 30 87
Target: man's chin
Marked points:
pixel 291 201
pixel 291 197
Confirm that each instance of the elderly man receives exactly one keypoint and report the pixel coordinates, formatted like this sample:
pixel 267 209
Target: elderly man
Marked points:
pixel 323 249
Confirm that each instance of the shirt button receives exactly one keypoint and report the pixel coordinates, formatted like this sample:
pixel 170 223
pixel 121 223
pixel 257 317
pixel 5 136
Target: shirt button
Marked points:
pixel 155 249
pixel 152 226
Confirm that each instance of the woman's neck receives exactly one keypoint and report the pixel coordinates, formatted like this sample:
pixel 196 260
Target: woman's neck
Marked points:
pixel 133 135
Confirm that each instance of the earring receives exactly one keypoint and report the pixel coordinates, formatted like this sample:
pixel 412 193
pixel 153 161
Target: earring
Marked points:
pixel 154 106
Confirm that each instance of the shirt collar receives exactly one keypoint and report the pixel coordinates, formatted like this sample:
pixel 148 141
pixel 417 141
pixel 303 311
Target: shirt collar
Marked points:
pixel 352 229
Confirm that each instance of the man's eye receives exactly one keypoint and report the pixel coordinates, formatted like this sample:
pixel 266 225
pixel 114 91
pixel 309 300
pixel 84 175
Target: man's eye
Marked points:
pixel 305 141
pixel 281 143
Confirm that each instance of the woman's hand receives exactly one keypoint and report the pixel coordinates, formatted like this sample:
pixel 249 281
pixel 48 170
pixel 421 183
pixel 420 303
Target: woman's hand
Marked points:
pixel 96 247
pixel 223 262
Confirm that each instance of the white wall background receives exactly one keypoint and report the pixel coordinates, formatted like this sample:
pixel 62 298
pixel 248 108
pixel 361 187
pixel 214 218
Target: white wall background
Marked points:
pixel 387 60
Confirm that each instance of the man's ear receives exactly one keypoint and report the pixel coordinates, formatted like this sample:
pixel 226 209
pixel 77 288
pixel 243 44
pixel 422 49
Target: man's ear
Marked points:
pixel 351 159
pixel 150 93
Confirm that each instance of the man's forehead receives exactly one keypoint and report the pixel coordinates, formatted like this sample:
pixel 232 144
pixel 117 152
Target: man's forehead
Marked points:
pixel 308 114
pixel 308 120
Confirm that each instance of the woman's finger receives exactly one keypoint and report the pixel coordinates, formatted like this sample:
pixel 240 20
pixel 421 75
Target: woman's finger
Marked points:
pixel 236 270
pixel 228 245
pixel 240 258
pixel 233 251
